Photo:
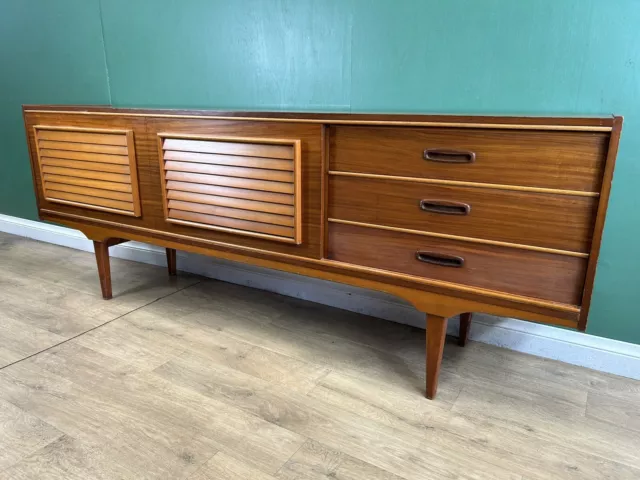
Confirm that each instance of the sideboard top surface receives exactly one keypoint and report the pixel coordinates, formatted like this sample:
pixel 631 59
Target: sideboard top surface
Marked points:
pixel 586 123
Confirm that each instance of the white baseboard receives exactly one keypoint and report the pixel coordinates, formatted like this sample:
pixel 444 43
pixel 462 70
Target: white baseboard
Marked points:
pixel 572 347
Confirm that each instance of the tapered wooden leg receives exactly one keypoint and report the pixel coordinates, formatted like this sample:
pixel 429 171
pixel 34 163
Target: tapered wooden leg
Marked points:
pixel 465 326
pixel 104 269
pixel 436 333
pixel 171 261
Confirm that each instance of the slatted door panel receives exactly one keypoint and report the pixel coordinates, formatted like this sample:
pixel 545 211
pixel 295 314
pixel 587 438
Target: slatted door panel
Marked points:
pixel 89 168
pixel 248 186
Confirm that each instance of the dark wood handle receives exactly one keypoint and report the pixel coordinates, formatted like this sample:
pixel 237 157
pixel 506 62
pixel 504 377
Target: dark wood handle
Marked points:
pixel 449 156
pixel 441 259
pixel 446 207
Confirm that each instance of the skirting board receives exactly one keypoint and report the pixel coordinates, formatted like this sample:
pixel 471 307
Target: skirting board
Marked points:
pixel 572 347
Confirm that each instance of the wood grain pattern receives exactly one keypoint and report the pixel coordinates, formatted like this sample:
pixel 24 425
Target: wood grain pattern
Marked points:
pixel 232 160
pixel 78 165
pixel 92 192
pixel 262 185
pixel 227 171
pixel 225 467
pixel 145 132
pixel 133 171
pixel 232 202
pixel 82 182
pixel 85 156
pixel 563 160
pixel 101 250
pixel 545 156
pixel 79 136
pixel 316 461
pixel 239 147
pixel 455 183
pixel 73 172
pixel 234 193
pixel 436 332
pixel 285 220
pixel 541 275
pixel 95 166
pixel 90 200
pixel 607 179
pixel 255 157
pixel 212 221
pixel 21 434
pixel 578 124
pixel 614 408
pixel 298 200
pixel 423 293
pixel 324 192
pixel 82 147
pixel 543 220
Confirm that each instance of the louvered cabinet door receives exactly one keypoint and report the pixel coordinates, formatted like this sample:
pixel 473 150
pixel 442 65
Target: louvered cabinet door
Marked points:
pixel 88 168
pixel 247 186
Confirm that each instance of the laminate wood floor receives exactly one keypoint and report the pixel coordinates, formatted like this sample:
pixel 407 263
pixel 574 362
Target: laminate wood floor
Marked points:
pixel 197 379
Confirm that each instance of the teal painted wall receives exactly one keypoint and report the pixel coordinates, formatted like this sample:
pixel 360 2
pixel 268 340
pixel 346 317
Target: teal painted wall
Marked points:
pixel 50 52
pixel 574 57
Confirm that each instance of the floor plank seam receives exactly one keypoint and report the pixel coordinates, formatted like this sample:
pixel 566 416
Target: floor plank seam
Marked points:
pixel 331 336
pixel 320 379
pixel 33 452
pixel 202 466
pixel 324 335
pixel 95 328
pixel 284 464
pixel 415 434
pixel 455 400
pixel 354 397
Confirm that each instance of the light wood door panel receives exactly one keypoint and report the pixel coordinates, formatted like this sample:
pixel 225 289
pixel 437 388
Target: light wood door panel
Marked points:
pixel 228 171
pixel 237 182
pixel 93 157
pixel 231 146
pixel 83 147
pixel 236 203
pixel 248 186
pixel 82 136
pixel 234 160
pixel 89 168
pixel 110 194
pixel 238 193
pixel 98 167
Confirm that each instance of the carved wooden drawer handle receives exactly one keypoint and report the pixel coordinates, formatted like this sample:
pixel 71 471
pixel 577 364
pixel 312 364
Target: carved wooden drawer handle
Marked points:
pixel 446 207
pixel 441 259
pixel 449 156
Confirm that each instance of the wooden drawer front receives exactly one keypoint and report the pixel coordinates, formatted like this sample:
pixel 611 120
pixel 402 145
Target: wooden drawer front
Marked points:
pixel 547 276
pixel 561 222
pixel 240 185
pixel 88 168
pixel 543 159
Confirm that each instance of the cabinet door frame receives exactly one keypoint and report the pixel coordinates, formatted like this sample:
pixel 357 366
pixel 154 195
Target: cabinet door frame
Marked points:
pixel 295 144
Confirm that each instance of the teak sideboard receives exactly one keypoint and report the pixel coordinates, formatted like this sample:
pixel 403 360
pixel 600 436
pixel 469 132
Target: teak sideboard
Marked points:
pixel 456 214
